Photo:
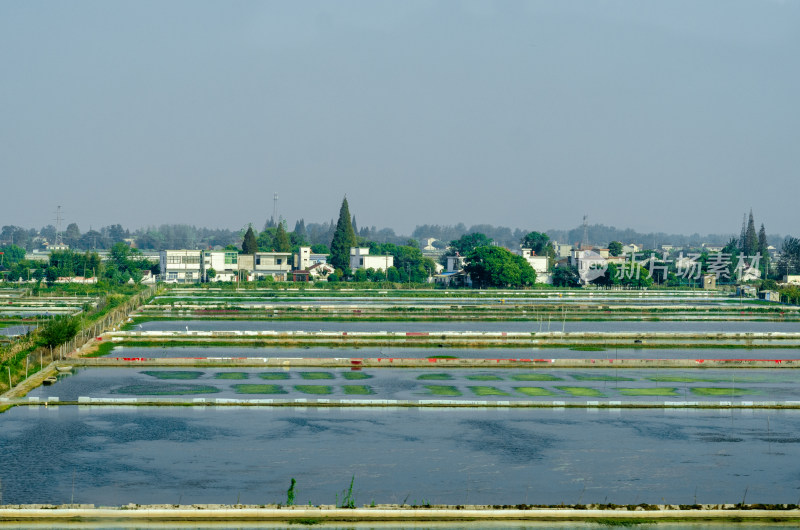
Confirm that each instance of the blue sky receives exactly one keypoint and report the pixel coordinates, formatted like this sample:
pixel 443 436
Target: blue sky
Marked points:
pixel 674 116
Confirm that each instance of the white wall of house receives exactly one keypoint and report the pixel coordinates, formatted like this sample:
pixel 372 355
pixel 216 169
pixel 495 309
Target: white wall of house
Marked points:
pixel 181 266
pixel 538 263
pixel 225 264
pixel 360 259
pixel 274 264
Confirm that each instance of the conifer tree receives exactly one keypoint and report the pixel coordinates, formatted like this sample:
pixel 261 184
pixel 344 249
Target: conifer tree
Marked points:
pixel 343 238
pixel 750 238
pixel 764 251
pixel 249 245
pixel 281 242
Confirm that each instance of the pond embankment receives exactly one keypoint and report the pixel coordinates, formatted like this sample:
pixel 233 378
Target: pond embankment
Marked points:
pixel 607 514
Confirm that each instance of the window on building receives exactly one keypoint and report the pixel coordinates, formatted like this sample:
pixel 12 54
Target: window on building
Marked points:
pixel 278 261
pixel 231 258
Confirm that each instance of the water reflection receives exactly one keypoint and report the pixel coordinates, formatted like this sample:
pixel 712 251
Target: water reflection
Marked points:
pixel 200 455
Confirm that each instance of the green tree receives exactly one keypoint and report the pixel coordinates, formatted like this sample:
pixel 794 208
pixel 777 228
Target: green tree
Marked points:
pixel 319 248
pixel 249 244
pixel 615 248
pixel 565 277
pixel 282 243
pixel 537 242
pixel 343 238
pixel 59 330
pixel 498 267
pixel 750 237
pixel 469 242
pixel 763 250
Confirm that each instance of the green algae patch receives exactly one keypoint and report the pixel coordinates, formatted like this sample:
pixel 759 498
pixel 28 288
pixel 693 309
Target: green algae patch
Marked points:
pixel 355 376
pixel 319 390
pixel 357 390
pixel 232 375
pixel 259 389
pixel 173 374
pixel 316 375
pixel 484 377
pixel 274 376
pixel 487 391
pixel 722 392
pixel 443 390
pixel 535 377
pixel 165 390
pixel 434 377
pixel 584 377
pixel 587 348
pixel 660 391
pixel 580 391
pixel 533 391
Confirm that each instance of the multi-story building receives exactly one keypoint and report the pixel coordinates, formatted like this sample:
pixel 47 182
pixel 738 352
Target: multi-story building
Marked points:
pixel 360 259
pixel 274 264
pixel 181 266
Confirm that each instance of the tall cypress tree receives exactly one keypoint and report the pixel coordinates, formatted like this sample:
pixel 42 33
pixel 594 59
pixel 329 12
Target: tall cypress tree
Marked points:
pixel 281 242
pixel 343 238
pixel 750 238
pixel 764 251
pixel 249 245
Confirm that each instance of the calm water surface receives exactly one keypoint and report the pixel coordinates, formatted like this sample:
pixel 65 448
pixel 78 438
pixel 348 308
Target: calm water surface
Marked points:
pixel 412 384
pixel 206 455
pixel 438 327
pixel 464 353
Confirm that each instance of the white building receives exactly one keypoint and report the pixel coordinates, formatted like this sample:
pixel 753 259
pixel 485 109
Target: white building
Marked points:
pixel 274 264
pixel 455 263
pixel 225 265
pixel 562 251
pixel 360 259
pixel 538 263
pixel 181 266
pixel 791 279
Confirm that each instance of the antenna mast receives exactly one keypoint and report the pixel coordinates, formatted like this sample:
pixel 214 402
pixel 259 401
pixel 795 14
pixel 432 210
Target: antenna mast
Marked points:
pixel 275 209
pixel 58 219
pixel 585 242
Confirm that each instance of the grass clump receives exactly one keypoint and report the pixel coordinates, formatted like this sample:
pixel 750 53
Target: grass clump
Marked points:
pixel 314 389
pixel 580 391
pixel 587 348
pixel 484 377
pixel 434 377
pixel 316 375
pixel 535 377
pixel 259 389
pixel 487 391
pixel 354 376
pixel 173 374
pixel 443 390
pixel 662 391
pixel 533 391
pixel 357 390
pixel 232 375
pixel 274 376
pixel 165 390
pixel 721 392
pixel 584 377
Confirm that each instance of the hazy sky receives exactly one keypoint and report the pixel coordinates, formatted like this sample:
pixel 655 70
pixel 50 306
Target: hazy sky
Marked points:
pixel 674 116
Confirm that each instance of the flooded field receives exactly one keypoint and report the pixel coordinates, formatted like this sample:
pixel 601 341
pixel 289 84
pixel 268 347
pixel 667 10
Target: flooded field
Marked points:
pixel 437 327
pixel 567 385
pixel 163 351
pixel 196 455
